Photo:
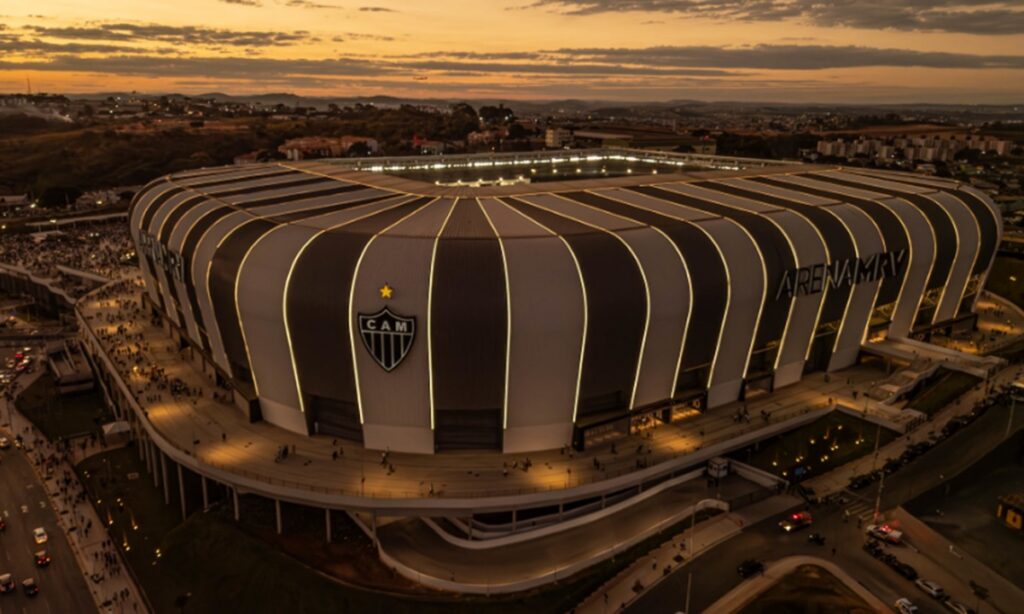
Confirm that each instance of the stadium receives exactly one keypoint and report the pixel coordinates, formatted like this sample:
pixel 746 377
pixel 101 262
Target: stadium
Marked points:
pixel 525 302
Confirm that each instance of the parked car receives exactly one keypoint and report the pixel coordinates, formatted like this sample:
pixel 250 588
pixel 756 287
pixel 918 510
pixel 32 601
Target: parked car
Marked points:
pixel 932 588
pixel 873 548
pixel 905 606
pixel 796 521
pixel 906 571
pixel 749 568
pixel 860 481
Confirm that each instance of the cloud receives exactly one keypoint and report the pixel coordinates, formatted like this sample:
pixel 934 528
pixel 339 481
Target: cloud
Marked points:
pixel 786 57
pixel 243 2
pixel 358 36
pixel 986 17
pixel 376 9
pixel 175 35
pixel 316 6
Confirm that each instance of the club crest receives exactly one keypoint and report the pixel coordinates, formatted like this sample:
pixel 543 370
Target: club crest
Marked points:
pixel 387 336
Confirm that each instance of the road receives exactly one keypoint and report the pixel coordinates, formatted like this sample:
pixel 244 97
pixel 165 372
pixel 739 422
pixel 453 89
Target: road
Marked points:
pixel 714 573
pixel 24 506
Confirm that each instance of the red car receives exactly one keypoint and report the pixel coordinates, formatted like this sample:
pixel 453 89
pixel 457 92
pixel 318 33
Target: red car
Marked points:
pixel 796 521
pixel 42 558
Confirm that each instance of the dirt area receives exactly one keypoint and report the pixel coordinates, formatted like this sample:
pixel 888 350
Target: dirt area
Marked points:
pixel 808 589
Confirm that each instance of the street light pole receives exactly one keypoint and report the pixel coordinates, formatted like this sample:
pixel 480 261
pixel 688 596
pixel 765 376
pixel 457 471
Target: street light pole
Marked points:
pixel 1009 422
pixel 689 583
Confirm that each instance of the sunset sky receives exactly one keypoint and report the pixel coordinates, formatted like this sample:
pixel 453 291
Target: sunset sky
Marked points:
pixel 965 51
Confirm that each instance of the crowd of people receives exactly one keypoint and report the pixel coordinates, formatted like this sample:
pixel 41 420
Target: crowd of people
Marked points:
pixel 100 248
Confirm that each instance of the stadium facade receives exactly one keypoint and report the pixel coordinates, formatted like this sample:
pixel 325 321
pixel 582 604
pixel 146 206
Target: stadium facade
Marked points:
pixel 424 316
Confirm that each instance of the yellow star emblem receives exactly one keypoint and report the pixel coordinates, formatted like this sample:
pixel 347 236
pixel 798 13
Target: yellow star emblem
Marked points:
pixel 386 291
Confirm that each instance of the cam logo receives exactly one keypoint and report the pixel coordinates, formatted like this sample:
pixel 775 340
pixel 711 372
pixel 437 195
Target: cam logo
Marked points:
pixel 387 336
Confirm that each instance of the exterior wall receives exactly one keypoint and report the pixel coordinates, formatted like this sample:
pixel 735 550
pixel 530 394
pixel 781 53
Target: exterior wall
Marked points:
pixel 591 315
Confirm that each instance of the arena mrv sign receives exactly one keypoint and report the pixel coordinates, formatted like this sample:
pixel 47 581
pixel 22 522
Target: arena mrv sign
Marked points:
pixel 840 274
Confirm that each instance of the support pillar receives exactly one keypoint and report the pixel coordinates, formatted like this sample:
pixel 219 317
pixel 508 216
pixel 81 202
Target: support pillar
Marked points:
pixel 327 517
pixel 139 441
pixel 156 465
pixel 163 470
pixel 206 496
pixel 277 513
pixel 181 493
pixel 234 497
pixel 146 454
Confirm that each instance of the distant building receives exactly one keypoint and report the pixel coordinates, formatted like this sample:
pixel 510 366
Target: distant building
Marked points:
pixel 557 138
pixel 324 147
pixel 14 200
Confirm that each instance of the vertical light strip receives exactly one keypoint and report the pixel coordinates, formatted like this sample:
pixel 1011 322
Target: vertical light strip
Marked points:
pixel 910 256
pixel 508 313
pixel 977 252
pixel 764 272
pixel 725 264
pixel 686 271
pixel 430 312
pixel 878 287
pixel 956 256
pixel 583 292
pixel 284 304
pixel 753 187
pixel 766 215
pixel 639 266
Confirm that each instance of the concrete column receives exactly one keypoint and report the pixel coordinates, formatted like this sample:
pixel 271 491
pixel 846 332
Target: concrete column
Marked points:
pixel 206 496
pixel 277 513
pixel 234 497
pixel 163 470
pixel 327 517
pixel 146 456
pixel 139 442
pixel 156 467
pixel 181 493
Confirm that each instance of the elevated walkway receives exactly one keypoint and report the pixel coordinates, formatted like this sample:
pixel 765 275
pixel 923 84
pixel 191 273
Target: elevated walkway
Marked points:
pixel 420 553
pixel 926 355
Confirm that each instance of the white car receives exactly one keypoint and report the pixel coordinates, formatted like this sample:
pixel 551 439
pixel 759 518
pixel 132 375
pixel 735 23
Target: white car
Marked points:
pixel 885 533
pixel 956 606
pixel 905 606
pixel 932 588
pixel 39 534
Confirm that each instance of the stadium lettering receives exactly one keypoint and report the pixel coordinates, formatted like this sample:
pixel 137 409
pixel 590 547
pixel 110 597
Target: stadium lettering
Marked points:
pixel 169 261
pixel 840 274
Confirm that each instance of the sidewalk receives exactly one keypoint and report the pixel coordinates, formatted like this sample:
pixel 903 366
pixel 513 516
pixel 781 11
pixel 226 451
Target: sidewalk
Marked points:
pixel 109 581
pixel 648 570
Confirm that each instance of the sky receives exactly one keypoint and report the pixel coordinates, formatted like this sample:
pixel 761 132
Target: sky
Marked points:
pixel 855 51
